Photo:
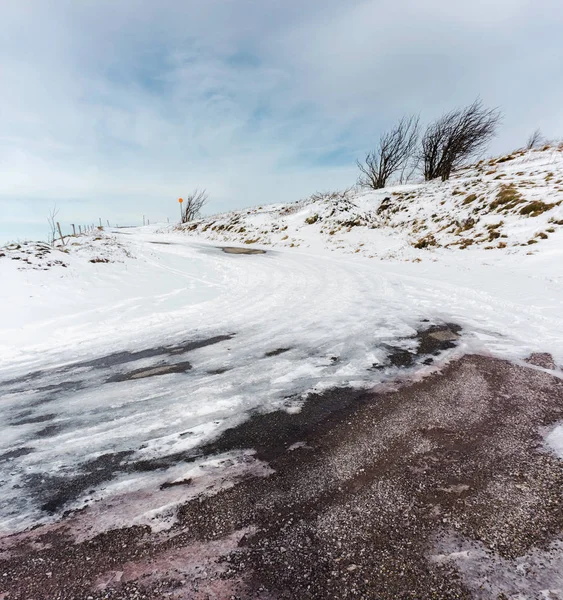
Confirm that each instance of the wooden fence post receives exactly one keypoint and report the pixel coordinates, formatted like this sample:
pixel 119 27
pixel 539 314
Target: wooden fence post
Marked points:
pixel 73 230
pixel 60 233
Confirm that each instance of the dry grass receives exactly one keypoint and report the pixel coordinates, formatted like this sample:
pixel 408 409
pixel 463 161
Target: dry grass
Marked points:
pixel 533 209
pixel 426 242
pixel 332 196
pixel 507 198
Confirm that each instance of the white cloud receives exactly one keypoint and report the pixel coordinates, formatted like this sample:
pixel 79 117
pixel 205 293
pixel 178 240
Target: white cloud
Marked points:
pixel 119 107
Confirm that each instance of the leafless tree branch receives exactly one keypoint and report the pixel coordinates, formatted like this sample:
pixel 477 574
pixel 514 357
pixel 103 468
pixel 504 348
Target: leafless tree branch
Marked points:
pixel 193 205
pixel 535 140
pixel 456 137
pixel 396 148
pixel 51 219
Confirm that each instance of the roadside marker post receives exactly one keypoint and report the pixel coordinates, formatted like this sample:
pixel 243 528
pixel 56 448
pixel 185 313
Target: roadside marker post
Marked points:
pixel 180 200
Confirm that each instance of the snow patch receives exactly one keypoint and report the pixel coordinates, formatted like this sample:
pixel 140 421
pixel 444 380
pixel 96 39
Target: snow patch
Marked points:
pixel 554 440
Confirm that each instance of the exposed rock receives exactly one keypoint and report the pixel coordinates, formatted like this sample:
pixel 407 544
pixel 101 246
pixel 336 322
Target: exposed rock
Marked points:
pixel 543 360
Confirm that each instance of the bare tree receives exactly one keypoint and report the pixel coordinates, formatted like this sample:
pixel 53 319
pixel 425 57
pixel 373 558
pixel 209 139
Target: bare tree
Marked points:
pixel 193 205
pixel 535 140
pixel 456 137
pixel 396 148
pixel 52 224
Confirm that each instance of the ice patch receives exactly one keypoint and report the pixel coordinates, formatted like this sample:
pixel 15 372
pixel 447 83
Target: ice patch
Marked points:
pixel 538 574
pixel 554 440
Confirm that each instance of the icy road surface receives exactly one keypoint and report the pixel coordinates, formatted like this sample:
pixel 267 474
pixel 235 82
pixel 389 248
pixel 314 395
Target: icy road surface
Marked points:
pixel 110 372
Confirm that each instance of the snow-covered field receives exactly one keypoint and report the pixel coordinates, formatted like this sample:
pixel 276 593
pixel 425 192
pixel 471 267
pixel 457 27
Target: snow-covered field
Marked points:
pixel 264 330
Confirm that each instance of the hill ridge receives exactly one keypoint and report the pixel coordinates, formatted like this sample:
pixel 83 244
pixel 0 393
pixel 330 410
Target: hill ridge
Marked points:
pixel 509 202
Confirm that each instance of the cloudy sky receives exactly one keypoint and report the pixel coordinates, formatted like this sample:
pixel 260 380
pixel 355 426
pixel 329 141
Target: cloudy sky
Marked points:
pixel 114 108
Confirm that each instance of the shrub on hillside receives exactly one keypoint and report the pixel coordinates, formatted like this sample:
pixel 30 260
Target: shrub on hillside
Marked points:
pixel 456 137
pixel 535 140
pixel 193 205
pixel 396 148
pixel 507 198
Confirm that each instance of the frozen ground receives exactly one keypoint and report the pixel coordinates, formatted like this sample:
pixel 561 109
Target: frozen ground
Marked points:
pixel 106 366
pixel 231 421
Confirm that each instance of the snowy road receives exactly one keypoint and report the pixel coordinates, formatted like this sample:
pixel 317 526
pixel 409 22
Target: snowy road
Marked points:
pixel 228 334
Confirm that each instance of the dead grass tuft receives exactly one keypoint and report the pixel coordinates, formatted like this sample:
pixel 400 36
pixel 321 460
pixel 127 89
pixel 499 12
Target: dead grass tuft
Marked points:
pixel 507 198
pixel 426 242
pixel 535 208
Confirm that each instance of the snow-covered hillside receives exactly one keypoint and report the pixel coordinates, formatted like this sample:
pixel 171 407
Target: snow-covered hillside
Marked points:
pixel 512 203
pixel 143 344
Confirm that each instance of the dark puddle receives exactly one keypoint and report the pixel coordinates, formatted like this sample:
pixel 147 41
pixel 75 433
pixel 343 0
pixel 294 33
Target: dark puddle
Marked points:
pixel 152 371
pixel 167 484
pixel 11 454
pixel 277 352
pixel 62 386
pixel 36 375
pixel 218 371
pixel 155 370
pixel 31 420
pixel 54 391
pixel 235 250
pixel 119 358
pixel 24 414
pixel 430 342
pixel 110 360
pixel 51 430
pixel 55 491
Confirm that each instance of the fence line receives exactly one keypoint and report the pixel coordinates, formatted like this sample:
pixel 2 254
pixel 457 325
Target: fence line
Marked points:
pixel 84 229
